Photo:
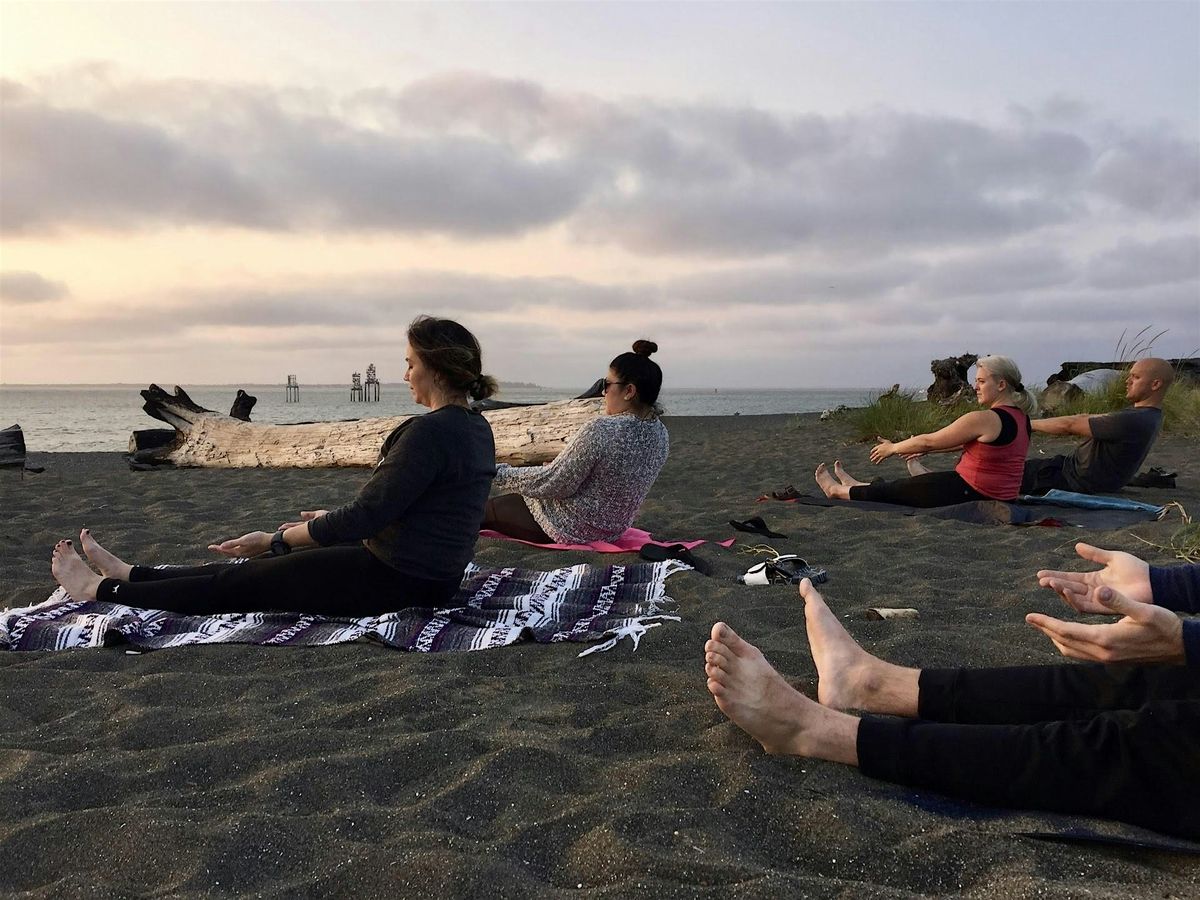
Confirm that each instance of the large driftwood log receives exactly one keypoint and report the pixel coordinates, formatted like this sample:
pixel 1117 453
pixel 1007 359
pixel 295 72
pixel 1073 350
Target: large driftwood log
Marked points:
pixel 950 378
pixel 524 436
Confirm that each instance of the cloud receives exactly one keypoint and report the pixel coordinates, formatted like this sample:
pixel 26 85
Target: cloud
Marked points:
pixel 30 287
pixel 1137 264
pixel 1002 271
pixel 472 157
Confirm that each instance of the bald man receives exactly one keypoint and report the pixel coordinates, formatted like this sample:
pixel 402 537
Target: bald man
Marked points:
pixel 1117 443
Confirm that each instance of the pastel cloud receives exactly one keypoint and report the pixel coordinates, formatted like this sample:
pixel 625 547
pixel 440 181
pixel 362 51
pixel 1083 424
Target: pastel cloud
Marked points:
pixel 472 156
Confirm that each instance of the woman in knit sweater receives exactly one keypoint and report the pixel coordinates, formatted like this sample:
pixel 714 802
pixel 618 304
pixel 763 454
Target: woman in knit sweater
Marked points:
pixel 593 490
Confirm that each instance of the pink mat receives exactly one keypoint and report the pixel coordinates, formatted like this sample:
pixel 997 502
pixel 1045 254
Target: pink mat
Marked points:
pixel 629 542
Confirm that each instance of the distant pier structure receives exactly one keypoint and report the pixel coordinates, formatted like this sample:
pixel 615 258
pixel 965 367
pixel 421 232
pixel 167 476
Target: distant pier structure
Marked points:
pixel 372 385
pixel 292 391
pixel 356 388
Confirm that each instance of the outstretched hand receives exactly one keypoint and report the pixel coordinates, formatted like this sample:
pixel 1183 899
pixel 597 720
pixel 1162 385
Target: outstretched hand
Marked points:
pixel 1146 633
pixel 1123 572
pixel 882 450
pixel 305 516
pixel 253 544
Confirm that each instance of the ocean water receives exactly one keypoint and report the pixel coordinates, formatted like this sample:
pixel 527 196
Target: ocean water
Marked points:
pixel 97 418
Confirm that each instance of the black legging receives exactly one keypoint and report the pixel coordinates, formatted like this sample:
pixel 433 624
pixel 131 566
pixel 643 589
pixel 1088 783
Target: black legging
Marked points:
pixel 509 514
pixel 1120 742
pixel 343 581
pixel 924 491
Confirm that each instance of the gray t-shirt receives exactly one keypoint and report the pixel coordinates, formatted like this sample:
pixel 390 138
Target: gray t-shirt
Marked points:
pixel 421 510
pixel 1118 446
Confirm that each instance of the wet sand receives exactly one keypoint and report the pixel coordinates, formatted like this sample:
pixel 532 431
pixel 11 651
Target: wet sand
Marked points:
pixel 361 771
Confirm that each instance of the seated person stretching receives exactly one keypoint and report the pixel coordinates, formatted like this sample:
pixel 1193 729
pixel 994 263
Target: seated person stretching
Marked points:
pixel 592 491
pixel 993 442
pixel 1121 742
pixel 404 541
pixel 1117 443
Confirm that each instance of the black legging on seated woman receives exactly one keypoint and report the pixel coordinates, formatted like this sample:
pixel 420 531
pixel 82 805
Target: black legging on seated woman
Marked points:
pixel 1120 742
pixel 923 491
pixel 343 581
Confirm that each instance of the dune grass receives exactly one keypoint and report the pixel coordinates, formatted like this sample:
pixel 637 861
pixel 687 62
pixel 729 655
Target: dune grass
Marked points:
pixel 897 415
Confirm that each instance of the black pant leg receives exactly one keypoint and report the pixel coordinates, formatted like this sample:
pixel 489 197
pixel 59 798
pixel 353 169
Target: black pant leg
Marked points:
pixel 922 491
pixel 1026 694
pixel 1042 475
pixel 509 514
pixel 1138 766
pixel 329 581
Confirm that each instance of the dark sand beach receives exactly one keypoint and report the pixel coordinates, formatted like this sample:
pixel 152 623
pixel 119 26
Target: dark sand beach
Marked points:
pixel 361 771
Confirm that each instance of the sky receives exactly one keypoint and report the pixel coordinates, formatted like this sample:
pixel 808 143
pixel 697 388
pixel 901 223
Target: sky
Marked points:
pixel 780 195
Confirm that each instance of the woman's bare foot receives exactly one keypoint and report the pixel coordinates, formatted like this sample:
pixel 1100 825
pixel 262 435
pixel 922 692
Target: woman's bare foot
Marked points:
pixel 916 467
pixel 849 676
pixel 843 476
pixel 832 488
pixel 73 573
pixel 760 702
pixel 109 565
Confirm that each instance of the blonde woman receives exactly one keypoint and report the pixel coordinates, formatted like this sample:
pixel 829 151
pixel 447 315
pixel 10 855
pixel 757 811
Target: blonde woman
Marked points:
pixel 993 440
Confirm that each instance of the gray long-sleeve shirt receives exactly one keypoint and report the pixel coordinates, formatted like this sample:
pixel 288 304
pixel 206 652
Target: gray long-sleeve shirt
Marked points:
pixel 421 509
pixel 594 488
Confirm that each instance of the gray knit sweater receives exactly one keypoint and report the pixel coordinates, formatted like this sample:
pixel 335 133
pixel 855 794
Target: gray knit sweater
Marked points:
pixel 593 490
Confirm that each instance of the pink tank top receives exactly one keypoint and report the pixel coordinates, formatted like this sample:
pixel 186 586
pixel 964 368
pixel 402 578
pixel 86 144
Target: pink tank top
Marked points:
pixel 995 469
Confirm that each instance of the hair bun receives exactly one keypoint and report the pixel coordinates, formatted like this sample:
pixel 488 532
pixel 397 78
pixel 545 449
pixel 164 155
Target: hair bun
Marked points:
pixel 644 348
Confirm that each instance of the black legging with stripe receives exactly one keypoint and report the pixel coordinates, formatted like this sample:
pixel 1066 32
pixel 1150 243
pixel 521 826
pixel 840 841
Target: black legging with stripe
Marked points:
pixel 342 581
pixel 1120 742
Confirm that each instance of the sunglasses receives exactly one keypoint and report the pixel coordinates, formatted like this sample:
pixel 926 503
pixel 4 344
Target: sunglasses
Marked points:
pixel 608 384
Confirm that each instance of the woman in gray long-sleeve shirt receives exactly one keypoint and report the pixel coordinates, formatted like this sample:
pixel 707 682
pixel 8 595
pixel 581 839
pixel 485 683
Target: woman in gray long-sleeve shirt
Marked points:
pixel 404 541
pixel 593 490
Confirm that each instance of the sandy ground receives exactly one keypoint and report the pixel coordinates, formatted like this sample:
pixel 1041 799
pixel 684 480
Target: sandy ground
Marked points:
pixel 361 771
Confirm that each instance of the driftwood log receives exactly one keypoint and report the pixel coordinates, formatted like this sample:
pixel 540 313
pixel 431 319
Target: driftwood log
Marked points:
pixel 204 438
pixel 950 378
pixel 1189 367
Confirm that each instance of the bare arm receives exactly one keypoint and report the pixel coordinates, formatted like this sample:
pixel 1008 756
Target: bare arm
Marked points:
pixel 1079 425
pixel 983 424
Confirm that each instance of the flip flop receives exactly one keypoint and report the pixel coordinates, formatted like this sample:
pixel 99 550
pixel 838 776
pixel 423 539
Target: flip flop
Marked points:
pixel 788 493
pixel 659 553
pixel 756 526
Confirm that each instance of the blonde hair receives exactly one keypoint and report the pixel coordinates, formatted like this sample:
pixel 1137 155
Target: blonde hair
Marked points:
pixel 1004 368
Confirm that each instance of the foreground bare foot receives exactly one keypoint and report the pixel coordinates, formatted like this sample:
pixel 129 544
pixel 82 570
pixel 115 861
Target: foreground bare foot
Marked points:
pixel 916 467
pixel 830 485
pixel 109 565
pixel 849 676
pixel 760 702
pixel 73 573
pixel 843 476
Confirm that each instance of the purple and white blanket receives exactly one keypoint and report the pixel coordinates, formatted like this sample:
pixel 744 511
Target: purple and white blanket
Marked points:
pixel 493 608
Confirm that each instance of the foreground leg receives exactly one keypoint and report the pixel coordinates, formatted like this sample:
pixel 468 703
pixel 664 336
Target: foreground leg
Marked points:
pixel 765 706
pixel 109 565
pixel 1136 766
pixel 73 573
pixel 833 488
pixel 850 677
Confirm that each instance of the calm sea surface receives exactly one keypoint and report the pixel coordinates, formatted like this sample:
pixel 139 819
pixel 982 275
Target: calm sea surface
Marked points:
pixel 101 417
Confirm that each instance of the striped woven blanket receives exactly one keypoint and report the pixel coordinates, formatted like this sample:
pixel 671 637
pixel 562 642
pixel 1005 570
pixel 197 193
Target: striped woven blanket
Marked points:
pixel 493 608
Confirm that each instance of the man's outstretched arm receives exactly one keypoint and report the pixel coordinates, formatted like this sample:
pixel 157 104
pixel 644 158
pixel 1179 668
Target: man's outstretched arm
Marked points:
pixel 1080 425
